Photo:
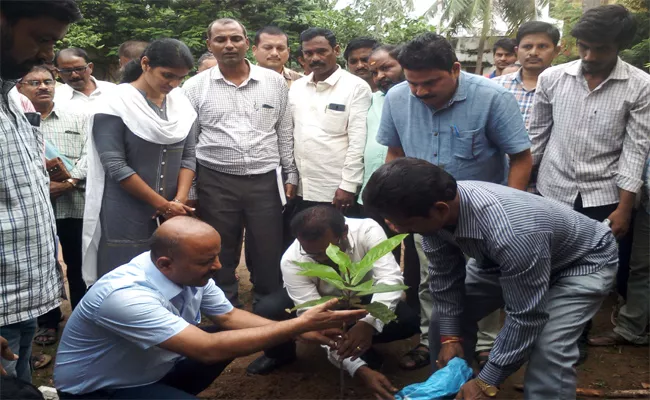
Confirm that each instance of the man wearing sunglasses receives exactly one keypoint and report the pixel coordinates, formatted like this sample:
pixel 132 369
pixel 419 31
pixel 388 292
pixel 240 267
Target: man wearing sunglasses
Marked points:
pixel 65 136
pixel 75 70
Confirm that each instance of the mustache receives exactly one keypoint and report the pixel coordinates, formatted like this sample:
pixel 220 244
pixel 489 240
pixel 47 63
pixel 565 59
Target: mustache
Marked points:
pixel 426 96
pixel 317 64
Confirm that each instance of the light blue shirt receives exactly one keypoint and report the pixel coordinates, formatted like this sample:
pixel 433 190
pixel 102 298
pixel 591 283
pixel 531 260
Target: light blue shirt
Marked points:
pixel 111 339
pixel 469 138
pixel 374 155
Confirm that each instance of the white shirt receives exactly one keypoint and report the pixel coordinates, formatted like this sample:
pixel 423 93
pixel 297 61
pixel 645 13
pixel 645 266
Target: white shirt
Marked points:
pixel 363 234
pixel 590 142
pixel 329 133
pixel 65 95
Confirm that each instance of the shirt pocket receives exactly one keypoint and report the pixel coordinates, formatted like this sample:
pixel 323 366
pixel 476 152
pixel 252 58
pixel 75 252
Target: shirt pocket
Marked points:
pixel 469 144
pixel 265 117
pixel 334 121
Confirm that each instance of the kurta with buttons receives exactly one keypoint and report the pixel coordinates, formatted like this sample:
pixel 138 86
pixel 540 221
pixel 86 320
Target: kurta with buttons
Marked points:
pixel 469 137
pixel 126 221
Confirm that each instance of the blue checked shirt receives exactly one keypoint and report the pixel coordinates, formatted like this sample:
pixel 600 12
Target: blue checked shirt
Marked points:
pixel 30 282
pixel 530 241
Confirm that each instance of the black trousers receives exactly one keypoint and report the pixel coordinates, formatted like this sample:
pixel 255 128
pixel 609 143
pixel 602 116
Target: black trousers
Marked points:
pixel 231 202
pixel 187 379
pixel 624 249
pixel 273 307
pixel 69 231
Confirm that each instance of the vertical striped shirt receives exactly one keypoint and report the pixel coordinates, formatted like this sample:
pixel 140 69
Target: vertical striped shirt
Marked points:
pixel 66 130
pixel 30 282
pixel 245 129
pixel 590 142
pixel 530 241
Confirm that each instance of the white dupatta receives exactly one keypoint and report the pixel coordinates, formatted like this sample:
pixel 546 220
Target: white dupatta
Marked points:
pixel 126 102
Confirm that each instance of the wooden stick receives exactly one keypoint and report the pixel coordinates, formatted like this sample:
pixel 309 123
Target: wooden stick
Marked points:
pixel 617 394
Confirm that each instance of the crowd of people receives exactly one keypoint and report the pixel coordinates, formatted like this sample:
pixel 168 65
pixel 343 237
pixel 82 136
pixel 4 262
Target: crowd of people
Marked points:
pixel 524 190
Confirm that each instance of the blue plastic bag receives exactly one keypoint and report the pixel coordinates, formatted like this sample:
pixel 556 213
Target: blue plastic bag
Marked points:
pixel 442 384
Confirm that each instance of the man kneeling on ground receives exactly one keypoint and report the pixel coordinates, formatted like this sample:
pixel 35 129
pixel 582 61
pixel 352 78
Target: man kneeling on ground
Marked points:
pixel 315 229
pixel 548 266
pixel 135 336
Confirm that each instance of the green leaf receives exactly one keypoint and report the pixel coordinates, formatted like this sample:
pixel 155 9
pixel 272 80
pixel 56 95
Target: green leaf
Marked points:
pixel 364 287
pixel 318 271
pixel 360 269
pixel 380 311
pixel 311 303
pixel 383 288
pixel 336 283
pixel 341 259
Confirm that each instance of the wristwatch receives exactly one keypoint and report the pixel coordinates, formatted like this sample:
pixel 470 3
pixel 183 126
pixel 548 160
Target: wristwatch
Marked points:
pixel 486 388
pixel 72 182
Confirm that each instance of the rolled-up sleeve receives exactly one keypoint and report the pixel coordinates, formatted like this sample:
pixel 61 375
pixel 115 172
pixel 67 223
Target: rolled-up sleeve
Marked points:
pixel 352 174
pixel 108 135
pixel 635 145
pixel 188 158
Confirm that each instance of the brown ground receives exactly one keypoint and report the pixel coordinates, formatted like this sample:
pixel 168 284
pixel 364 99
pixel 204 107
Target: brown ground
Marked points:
pixel 313 377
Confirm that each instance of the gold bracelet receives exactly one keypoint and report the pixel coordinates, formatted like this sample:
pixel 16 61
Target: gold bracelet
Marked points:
pixel 451 341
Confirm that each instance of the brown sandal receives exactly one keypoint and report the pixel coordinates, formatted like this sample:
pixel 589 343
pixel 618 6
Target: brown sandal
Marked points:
pixel 416 358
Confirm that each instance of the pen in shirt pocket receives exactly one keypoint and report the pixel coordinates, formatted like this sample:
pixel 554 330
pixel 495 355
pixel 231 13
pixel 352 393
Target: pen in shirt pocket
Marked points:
pixel 455 130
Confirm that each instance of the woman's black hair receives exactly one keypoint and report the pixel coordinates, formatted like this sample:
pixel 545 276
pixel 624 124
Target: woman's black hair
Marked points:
pixel 169 53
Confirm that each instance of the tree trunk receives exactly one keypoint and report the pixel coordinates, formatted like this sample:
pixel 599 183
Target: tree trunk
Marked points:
pixel 487 19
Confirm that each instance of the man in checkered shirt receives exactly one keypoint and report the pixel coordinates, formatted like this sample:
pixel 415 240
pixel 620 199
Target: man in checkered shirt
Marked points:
pixel 589 127
pixel 30 283
pixel 244 147
pixel 64 130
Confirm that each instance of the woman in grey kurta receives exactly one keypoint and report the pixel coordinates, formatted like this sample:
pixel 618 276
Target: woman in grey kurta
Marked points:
pixel 144 137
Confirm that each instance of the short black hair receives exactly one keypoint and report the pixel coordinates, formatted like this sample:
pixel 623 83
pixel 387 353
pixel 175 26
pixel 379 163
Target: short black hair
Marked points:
pixel 312 223
pixel 40 67
pixel 506 44
pixel 225 21
pixel 605 23
pixel 408 187
pixel 61 10
pixel 132 49
pixel 363 42
pixel 74 51
pixel 270 30
pixel 391 49
pixel 532 27
pixel 311 33
pixel 427 51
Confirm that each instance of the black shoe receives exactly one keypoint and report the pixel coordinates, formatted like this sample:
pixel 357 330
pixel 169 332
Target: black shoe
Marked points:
pixel 264 365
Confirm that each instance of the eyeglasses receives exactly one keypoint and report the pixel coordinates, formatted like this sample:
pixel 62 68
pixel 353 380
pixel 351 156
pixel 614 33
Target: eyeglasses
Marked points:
pixel 36 83
pixel 69 71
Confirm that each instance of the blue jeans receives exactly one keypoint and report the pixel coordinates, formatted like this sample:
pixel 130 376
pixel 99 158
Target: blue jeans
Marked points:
pixel 19 336
pixel 571 301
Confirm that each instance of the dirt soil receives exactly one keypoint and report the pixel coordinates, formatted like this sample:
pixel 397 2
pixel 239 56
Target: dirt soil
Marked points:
pixel 313 377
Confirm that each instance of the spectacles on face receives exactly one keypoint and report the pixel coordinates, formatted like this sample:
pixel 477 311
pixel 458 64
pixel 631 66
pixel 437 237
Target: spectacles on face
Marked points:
pixel 69 71
pixel 36 83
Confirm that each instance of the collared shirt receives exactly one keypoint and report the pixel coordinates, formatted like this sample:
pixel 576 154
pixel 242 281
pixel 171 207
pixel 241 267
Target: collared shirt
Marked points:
pixel 66 130
pixel 330 132
pixel 111 338
pixel 515 85
pixel 374 155
pixel 30 282
pixel 530 241
pixel 67 97
pixel 291 75
pixel 590 142
pixel 469 138
pixel 245 129
pixel 363 235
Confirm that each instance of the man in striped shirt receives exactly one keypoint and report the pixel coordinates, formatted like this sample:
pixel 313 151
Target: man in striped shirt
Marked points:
pixel 548 266
pixel 589 127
